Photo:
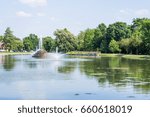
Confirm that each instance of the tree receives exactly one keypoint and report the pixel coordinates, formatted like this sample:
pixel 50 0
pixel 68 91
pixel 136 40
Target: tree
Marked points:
pixel 99 36
pixel 137 24
pixel 80 41
pixel 28 46
pixel 118 31
pixel 141 28
pixel 1 38
pixel 31 42
pixel 8 39
pixel 65 40
pixel 146 35
pixel 35 40
pixel 134 43
pixel 17 45
pixel 124 45
pixel 88 40
pixel 48 44
pixel 104 46
pixel 114 46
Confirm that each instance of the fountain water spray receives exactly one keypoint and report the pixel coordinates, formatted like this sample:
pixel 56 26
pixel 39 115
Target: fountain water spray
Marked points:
pixel 40 52
pixel 40 43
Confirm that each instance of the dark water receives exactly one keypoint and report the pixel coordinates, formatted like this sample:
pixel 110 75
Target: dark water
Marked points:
pixel 24 77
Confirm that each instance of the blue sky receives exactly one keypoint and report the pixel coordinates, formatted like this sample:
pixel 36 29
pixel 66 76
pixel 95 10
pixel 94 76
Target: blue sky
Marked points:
pixel 43 17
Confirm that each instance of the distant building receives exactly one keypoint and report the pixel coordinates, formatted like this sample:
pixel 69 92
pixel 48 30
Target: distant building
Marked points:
pixel 1 46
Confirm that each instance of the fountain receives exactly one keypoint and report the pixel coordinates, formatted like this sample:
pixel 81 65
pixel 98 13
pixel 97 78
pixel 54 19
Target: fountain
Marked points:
pixel 55 55
pixel 40 53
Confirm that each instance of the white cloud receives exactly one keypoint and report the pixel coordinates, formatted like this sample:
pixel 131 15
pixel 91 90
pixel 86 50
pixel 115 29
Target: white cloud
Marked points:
pixel 126 11
pixel 139 13
pixel 128 14
pixel 40 14
pixel 142 12
pixel 34 3
pixel 23 14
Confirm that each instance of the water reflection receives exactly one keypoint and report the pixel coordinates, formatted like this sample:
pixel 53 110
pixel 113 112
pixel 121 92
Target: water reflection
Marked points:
pixel 8 62
pixel 23 77
pixel 68 67
pixel 119 72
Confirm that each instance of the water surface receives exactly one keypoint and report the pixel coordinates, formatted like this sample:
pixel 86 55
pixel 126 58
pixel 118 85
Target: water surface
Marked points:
pixel 24 77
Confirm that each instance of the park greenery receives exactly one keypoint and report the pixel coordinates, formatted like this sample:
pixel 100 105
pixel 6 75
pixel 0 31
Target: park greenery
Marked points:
pixel 118 37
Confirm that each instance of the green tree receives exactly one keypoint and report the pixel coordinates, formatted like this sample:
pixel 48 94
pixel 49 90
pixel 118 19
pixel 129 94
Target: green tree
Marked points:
pixel 137 24
pixel 65 40
pixel 1 38
pixel 114 46
pixel 124 45
pixel 88 40
pixel 140 28
pixel 99 36
pixel 134 43
pixel 146 35
pixel 31 42
pixel 118 31
pixel 17 45
pixel 104 46
pixel 28 46
pixel 80 41
pixel 48 44
pixel 8 39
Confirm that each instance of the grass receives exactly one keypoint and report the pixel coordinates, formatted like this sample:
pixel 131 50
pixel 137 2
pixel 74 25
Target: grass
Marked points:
pixel 128 56
pixel 137 57
pixel 83 53
pixel 15 53
pixel 110 55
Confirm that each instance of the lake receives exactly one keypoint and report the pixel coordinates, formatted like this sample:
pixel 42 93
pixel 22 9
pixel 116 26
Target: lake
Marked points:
pixel 73 78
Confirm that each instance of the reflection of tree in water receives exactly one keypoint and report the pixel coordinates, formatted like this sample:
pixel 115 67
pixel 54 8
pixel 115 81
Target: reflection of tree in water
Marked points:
pixel 31 64
pixel 8 62
pixel 143 87
pixel 68 67
pixel 140 76
pixel 118 72
pixel 104 70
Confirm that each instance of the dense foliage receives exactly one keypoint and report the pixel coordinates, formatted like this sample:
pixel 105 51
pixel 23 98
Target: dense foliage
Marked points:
pixel 114 38
pixel 31 42
pixel 48 44
pixel 65 40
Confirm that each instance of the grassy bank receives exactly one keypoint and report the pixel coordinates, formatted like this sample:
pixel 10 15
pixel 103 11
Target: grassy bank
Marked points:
pixel 83 53
pixel 110 55
pixel 138 57
pixel 128 56
pixel 15 53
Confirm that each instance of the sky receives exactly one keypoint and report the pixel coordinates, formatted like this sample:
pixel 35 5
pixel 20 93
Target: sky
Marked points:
pixel 43 17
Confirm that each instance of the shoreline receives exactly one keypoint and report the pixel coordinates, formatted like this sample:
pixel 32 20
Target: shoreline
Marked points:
pixel 15 53
pixel 126 56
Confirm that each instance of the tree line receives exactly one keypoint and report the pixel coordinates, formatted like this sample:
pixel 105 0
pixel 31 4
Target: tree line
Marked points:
pixel 118 37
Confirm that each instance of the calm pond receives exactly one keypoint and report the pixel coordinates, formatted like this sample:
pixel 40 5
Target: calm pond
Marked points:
pixel 105 78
